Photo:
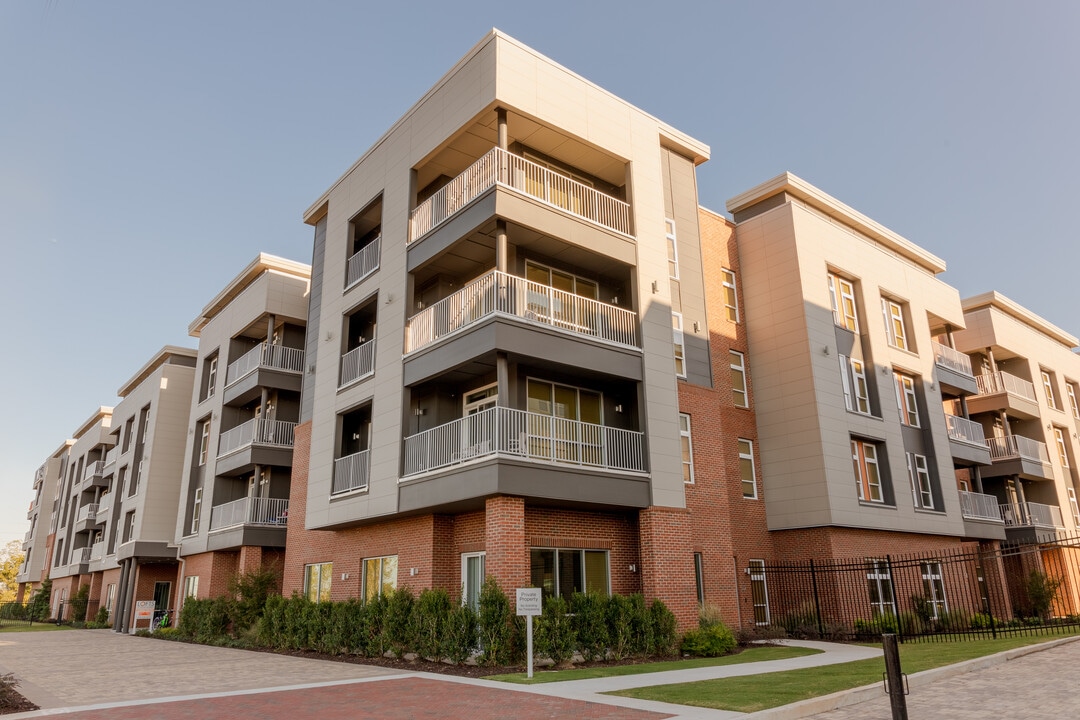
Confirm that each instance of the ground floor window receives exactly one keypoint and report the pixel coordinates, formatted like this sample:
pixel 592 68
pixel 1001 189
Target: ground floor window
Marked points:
pixel 380 576
pixel 317 578
pixel 564 572
pixel 191 586
pixel 110 597
pixel 759 591
pixel 472 579
pixel 879 586
pixel 699 578
pixel 934 588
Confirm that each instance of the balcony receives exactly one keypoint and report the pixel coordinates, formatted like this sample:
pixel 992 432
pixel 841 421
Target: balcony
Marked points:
pixel 1032 515
pixel 257 441
pixel 978 506
pixel 1002 391
pixel 363 263
pixel 526 435
pixel 97 551
pixel 499 167
pixel 265 355
pixel 966 440
pixel 358 363
pixel 498 293
pixel 272 512
pixel 94 471
pixel 351 472
pixel 954 369
pixel 1018 455
pixel 87 512
pixel 110 460
pixel 80 556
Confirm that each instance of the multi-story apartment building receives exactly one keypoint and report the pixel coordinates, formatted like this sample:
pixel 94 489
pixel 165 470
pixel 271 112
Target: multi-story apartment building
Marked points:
pixel 37 545
pixel 496 286
pixel 133 556
pixel 848 331
pixel 234 495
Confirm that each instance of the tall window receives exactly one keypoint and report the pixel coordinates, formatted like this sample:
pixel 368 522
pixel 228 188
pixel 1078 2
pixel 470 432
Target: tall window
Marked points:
pixel 317 579
pixel 211 376
pixel 842 295
pixel 380 576
pixel 564 572
pixel 204 440
pixel 746 469
pixel 687 448
pixel 1075 508
pixel 472 579
pixel 196 511
pixel 191 586
pixel 1070 390
pixel 1048 386
pixel 934 588
pixel 699 577
pixel 129 526
pixel 1063 455
pixel 672 249
pixel 894 323
pixel 680 344
pixel 731 298
pixel 879 587
pixel 919 474
pixel 110 597
pixel 864 458
pixel 906 400
pixel 856 391
pixel 738 380
pixel 759 591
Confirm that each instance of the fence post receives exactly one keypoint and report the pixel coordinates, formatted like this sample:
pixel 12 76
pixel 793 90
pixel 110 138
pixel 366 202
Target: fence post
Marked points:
pixel 894 677
pixel 895 604
pixel 817 600
pixel 984 587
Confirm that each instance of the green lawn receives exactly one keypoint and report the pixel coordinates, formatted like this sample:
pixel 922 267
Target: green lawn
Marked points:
pixel 757 692
pixel 36 627
pixel 756 654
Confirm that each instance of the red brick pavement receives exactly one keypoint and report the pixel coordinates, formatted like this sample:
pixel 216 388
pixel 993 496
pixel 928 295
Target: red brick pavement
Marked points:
pixel 404 698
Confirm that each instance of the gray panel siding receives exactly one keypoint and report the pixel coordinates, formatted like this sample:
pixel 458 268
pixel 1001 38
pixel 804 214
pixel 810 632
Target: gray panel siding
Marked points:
pixel 318 257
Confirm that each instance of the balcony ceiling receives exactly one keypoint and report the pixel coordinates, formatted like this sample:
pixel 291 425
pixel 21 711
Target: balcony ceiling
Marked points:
pixel 481 136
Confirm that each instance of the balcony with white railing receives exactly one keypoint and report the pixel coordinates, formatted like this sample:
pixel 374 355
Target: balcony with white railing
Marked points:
pixel 498 293
pixel 364 262
pixel 110 458
pixel 97 550
pixel 1003 382
pixel 80 556
pixel 951 359
pixel 257 431
pixel 351 472
pixel 524 435
pixel 268 512
pixel 87 512
pixel 1031 514
pixel 358 363
pixel 499 167
pixel 1018 447
pixel 965 431
pixel 265 355
pixel 94 470
pixel 979 506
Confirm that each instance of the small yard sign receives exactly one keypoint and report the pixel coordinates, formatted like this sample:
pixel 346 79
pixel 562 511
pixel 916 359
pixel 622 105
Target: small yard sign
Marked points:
pixel 529 603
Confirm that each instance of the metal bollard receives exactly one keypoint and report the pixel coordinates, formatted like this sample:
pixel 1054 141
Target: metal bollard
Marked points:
pixel 895 680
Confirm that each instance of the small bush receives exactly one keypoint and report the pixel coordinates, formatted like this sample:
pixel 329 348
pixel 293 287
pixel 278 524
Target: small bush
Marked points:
pixel 711 641
pixel 79 601
pixel 958 619
pixel 1042 590
pixel 625 620
pixel 554 635
pixel 249 592
pixel 494 625
pixel 398 627
pixel 169 633
pixel 204 620
pixel 663 637
pixel 102 617
pixel 459 637
pixel 980 621
pixel 588 615
pixel 431 614
pixel 881 624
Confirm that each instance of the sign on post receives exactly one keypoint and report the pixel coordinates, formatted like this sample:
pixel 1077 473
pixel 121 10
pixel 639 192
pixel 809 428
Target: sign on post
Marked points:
pixel 144 610
pixel 529 603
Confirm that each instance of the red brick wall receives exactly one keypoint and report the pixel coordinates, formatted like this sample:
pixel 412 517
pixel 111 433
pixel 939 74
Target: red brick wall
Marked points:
pixel 214 570
pixel 146 575
pixel 614 532
pixel 667 562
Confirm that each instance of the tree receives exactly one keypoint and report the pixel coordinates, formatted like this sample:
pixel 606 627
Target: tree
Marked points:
pixel 11 559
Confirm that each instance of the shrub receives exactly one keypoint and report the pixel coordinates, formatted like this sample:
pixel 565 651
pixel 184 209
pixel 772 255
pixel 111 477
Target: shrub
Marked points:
pixel 250 592
pixel 168 633
pixel 588 618
pixel 459 638
pixel 79 601
pixel 554 635
pixel 204 620
pixel 980 621
pixel 624 618
pixel 494 625
pixel 662 635
pixel 958 619
pixel 1042 590
pixel 397 627
pixel 102 617
pixel 431 613
pixel 38 607
pixel 881 624
pixel 710 641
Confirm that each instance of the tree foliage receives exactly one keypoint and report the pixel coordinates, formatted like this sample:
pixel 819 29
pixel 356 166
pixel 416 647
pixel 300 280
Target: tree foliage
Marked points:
pixel 11 559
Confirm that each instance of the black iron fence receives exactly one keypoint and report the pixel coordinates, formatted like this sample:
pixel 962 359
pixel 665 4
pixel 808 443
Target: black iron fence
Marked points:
pixel 13 613
pixel 972 590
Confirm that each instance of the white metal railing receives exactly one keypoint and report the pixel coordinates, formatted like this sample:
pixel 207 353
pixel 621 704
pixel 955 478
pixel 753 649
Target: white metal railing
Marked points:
pixel 500 167
pixel 97 550
pixel 250 511
pixel 524 434
pixel 964 430
pixel 979 506
pixel 364 262
pixel 351 472
pixel 500 293
pixel 87 512
pixel 357 363
pixel 256 431
pixel 110 457
pixel 80 556
pixel 1031 514
pixel 997 382
pixel 94 469
pixel 265 355
pixel 954 360
pixel 1011 447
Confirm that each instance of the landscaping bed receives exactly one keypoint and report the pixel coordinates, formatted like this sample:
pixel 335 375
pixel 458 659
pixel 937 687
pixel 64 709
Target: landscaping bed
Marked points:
pixel 10 699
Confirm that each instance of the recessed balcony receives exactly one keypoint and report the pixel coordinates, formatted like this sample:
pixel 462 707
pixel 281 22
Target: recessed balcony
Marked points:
pixel 248 521
pixel 97 550
pixel 94 471
pixel 357 364
pixel 86 519
pixel 966 440
pixel 954 369
pixel 1033 515
pixel 257 441
pixel 351 473
pixel 1018 455
pixel 980 506
pixel 110 460
pixel 1003 391
pixel 502 294
pixel 363 263
pixel 500 168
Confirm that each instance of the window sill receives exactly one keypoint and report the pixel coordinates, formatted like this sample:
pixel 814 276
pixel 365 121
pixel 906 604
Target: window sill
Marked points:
pixel 871 503
pixel 869 416
pixel 930 511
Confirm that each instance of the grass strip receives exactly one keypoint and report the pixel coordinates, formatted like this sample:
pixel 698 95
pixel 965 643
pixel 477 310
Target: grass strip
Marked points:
pixel 36 627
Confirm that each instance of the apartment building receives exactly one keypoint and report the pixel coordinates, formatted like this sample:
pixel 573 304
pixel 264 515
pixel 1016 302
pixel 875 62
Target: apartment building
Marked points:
pixel 235 481
pixel 497 332
pixel 38 542
pixel 849 330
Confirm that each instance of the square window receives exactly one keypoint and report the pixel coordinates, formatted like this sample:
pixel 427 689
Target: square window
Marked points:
pixel 380 576
pixel 566 571
pixel 317 579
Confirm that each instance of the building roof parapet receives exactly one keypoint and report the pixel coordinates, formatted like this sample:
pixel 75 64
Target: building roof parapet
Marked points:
pixel 161 357
pixel 996 300
pixel 261 264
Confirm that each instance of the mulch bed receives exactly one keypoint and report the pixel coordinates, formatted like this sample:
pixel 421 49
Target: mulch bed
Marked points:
pixel 11 701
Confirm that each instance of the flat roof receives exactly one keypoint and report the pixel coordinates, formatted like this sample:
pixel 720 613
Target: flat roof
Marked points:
pixel 996 300
pixel 100 414
pixel 262 263
pixel 160 358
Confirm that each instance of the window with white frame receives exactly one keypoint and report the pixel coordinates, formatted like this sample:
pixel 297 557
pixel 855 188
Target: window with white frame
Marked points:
pixel 191 586
pixel 842 295
pixel 746 469
pixel 864 458
pixel 879 587
pixel 1048 387
pixel 922 492
pixel 731 297
pixel 687 448
pixel 110 597
pixel 317 579
pixel 680 344
pixel 759 591
pixel 738 379
pixel 906 400
pixel 380 576
pixel 934 589
pixel 1073 506
pixel 1070 390
pixel 563 571
pixel 196 510
pixel 472 578
pixel 672 249
pixel 856 390
pixel 895 330
pixel 1059 439
pixel 204 440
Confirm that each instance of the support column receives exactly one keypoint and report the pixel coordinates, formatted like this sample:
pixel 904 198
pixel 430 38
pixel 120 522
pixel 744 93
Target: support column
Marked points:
pixel 502 376
pixel 121 598
pixel 501 244
pixel 667 562
pixel 507 553
pixel 504 135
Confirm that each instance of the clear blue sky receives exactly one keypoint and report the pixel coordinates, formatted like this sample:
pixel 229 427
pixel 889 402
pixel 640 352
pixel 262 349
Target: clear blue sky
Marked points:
pixel 148 151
